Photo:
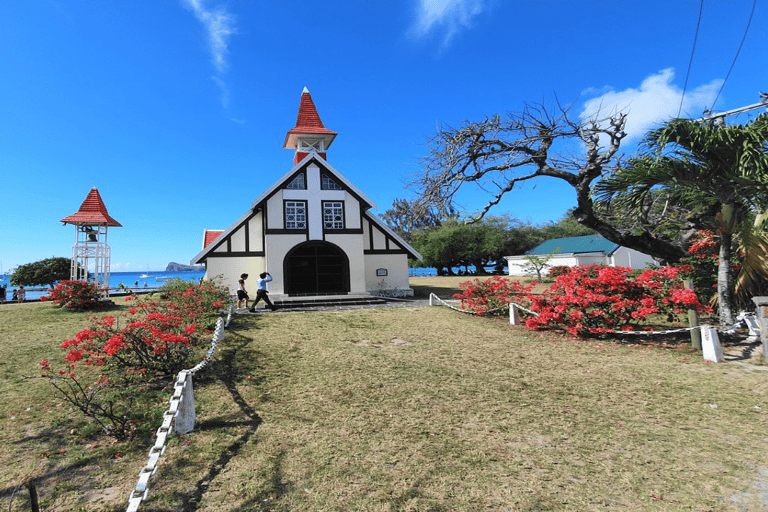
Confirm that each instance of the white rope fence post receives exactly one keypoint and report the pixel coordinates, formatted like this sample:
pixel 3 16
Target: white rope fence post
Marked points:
pixel 185 418
pixel 514 314
pixel 181 408
pixel 710 344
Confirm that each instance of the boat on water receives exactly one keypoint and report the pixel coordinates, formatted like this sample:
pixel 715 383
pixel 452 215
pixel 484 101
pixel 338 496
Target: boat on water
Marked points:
pixel 145 276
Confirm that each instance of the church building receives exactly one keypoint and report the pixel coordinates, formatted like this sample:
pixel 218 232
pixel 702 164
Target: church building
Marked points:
pixel 312 230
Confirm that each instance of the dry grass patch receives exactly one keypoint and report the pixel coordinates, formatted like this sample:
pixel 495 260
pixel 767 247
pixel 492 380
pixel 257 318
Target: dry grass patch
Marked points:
pixel 423 409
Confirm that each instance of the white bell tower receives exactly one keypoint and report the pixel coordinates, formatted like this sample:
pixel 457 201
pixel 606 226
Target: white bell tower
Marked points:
pixel 90 252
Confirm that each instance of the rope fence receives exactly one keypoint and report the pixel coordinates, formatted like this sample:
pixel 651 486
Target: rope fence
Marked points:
pixel 710 341
pixel 180 415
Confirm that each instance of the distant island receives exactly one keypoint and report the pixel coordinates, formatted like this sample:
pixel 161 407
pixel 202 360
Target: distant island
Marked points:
pixel 178 267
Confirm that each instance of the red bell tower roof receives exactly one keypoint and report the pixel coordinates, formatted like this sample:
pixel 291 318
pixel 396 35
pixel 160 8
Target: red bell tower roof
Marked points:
pixel 309 134
pixel 92 213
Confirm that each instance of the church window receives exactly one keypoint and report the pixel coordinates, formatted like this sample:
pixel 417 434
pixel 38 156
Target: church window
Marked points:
pixel 333 214
pixel 298 183
pixel 328 183
pixel 295 215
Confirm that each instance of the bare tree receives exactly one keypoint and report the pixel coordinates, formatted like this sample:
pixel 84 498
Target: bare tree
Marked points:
pixel 499 152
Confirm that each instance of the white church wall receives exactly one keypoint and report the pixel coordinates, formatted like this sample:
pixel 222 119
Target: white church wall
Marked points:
pixel 277 247
pixel 237 239
pixel 255 234
pixel 275 211
pixel 229 270
pixel 352 212
pixel 352 245
pixel 396 267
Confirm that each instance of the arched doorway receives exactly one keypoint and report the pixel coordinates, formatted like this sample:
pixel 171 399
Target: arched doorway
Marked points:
pixel 316 268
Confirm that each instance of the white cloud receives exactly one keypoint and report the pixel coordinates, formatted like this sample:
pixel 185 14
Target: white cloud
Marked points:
pixel 224 97
pixel 655 101
pixel 450 16
pixel 219 26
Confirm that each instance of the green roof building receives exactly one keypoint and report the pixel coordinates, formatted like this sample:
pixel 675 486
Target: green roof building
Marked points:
pixel 580 250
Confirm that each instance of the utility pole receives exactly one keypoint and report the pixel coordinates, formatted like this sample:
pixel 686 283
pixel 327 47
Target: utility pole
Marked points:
pixel 720 116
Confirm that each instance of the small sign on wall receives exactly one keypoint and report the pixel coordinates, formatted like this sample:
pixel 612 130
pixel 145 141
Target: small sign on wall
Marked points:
pixel 381 272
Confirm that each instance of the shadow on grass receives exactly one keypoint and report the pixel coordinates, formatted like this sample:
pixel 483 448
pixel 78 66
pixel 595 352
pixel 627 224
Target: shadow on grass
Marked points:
pixel 413 492
pixel 444 292
pixel 226 372
pixel 48 443
pixel 265 500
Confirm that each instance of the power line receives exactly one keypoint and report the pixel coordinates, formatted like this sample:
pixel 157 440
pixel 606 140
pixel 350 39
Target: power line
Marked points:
pixel 690 62
pixel 754 3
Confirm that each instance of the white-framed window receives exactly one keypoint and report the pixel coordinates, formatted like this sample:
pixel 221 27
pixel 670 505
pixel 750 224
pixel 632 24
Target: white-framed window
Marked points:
pixel 327 183
pixel 297 183
pixel 295 215
pixel 333 214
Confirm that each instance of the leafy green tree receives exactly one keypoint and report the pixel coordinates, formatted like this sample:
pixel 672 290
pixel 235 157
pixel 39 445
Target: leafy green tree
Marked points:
pixel 438 248
pixel 408 217
pixel 723 168
pixel 567 226
pixel 479 244
pixel 44 272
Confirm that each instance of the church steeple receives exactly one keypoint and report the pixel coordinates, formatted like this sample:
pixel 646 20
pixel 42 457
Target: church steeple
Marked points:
pixel 309 134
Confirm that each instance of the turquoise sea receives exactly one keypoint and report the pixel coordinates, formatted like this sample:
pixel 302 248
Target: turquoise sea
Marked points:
pixel 136 281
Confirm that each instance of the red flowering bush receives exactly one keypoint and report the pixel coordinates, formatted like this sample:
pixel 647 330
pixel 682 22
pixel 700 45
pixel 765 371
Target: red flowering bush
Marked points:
pixel 559 270
pixel 492 296
pixel 106 365
pixel 200 302
pixel 702 262
pixel 596 299
pixel 74 295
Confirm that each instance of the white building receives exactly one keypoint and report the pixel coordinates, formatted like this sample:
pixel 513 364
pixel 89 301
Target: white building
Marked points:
pixel 581 250
pixel 312 230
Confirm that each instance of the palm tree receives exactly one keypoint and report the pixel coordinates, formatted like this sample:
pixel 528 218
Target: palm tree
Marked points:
pixel 707 168
pixel 752 279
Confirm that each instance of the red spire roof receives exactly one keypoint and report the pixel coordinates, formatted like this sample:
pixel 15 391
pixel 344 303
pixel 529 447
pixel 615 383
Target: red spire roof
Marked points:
pixel 307 122
pixel 92 213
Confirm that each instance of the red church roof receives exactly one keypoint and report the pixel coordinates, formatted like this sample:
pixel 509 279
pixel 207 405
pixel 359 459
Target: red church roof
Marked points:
pixel 308 121
pixel 92 213
pixel 209 236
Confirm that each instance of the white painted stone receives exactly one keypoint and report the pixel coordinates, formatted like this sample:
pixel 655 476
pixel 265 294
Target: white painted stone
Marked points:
pixel 514 315
pixel 753 325
pixel 710 344
pixel 185 419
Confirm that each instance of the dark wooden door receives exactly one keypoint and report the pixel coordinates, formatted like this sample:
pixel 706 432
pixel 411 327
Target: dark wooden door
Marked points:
pixel 316 268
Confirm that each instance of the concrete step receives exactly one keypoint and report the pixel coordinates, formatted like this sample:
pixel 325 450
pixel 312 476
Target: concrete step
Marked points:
pixel 310 302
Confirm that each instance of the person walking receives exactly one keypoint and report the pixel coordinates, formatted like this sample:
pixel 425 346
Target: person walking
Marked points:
pixel 262 293
pixel 21 294
pixel 242 294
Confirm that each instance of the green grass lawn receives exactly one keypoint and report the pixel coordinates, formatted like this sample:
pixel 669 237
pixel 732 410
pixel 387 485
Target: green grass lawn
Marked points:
pixel 407 409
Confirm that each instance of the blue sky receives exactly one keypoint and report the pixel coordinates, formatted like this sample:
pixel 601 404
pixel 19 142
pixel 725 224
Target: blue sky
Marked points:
pixel 176 110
